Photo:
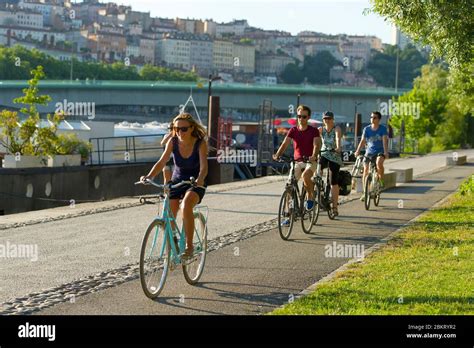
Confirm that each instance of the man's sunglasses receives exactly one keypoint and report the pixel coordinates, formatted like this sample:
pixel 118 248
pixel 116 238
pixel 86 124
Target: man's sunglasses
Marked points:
pixel 182 129
pixel 304 117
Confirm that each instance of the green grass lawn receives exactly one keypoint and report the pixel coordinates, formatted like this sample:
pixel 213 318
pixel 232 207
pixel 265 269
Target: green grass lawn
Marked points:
pixel 426 269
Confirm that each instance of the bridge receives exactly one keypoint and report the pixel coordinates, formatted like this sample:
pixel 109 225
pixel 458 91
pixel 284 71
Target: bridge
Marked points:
pixel 144 101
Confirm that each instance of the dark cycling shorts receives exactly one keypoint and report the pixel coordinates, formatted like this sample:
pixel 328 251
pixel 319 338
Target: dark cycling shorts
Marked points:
pixel 333 168
pixel 178 193
pixel 372 158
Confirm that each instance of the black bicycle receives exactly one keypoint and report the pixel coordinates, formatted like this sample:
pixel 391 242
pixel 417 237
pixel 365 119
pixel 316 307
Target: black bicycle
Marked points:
pixel 292 203
pixel 322 190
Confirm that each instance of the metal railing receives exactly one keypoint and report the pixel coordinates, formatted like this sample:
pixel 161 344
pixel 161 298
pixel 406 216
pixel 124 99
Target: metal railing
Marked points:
pixel 125 149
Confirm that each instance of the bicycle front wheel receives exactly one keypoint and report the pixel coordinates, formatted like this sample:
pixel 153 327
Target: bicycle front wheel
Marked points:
pixel 307 216
pixel 154 259
pixel 377 194
pixel 193 268
pixel 367 192
pixel 286 214
pixel 317 203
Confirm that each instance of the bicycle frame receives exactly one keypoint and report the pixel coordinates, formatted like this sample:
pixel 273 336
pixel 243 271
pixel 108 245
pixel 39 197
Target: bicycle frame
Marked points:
pixel 167 218
pixel 358 167
pixel 292 182
pixel 373 174
pixel 324 185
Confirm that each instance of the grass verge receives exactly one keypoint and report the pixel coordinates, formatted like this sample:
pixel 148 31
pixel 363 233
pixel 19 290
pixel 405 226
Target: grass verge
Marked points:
pixel 428 268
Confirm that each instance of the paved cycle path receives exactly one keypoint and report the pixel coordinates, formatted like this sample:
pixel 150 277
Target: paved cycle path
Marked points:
pixel 73 243
pixel 258 274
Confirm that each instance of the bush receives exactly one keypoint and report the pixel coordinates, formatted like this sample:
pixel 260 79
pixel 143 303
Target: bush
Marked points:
pixel 467 187
pixel 70 144
pixel 425 144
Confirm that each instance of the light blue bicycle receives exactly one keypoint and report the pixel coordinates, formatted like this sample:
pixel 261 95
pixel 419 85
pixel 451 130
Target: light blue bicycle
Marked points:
pixel 164 244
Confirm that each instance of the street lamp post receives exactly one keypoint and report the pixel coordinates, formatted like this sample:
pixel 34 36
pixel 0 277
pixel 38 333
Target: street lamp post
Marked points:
pixel 356 124
pixel 209 91
pixel 298 97
pixel 356 104
pixel 397 62
pixel 72 59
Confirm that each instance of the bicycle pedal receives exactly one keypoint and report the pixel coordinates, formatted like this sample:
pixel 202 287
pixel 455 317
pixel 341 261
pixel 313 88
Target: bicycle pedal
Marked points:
pixel 190 260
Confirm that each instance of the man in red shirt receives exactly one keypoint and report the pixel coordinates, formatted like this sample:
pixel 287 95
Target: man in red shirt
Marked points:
pixel 306 143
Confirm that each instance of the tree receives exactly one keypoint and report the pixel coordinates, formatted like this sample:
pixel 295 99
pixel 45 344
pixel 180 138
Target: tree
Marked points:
pixel 316 68
pixel 383 64
pixel 23 60
pixel 155 73
pixel 292 74
pixel 446 26
pixel 28 137
pixel 429 98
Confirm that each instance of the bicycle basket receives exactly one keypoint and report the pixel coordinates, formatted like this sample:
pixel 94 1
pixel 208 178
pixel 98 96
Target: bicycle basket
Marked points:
pixel 345 182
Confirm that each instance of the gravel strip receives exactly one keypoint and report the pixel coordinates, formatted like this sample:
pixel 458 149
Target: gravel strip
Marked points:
pixel 37 301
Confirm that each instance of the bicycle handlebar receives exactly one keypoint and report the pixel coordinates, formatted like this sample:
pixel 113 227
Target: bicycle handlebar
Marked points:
pixel 289 159
pixel 191 182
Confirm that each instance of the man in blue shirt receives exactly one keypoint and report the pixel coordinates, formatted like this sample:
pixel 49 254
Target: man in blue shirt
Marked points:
pixel 375 137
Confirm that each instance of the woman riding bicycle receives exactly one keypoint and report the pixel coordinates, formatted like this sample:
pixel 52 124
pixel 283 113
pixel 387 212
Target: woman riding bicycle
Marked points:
pixel 331 154
pixel 188 145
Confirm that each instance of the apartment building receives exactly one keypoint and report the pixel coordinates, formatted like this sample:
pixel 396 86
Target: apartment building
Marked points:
pixel 244 58
pixel 223 56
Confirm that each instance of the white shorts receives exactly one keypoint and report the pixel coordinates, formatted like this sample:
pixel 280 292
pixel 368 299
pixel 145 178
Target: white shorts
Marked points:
pixel 300 167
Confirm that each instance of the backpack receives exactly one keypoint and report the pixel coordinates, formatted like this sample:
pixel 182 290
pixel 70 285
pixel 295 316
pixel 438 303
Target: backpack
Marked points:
pixel 345 182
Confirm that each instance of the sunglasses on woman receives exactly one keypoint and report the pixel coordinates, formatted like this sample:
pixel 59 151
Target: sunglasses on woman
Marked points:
pixel 182 129
pixel 304 117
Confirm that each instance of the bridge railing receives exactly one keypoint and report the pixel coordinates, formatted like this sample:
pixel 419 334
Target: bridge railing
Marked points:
pixel 125 149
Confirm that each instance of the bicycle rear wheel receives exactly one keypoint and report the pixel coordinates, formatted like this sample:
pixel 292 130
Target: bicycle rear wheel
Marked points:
pixel 367 192
pixel 154 259
pixel 193 268
pixel 331 212
pixel 286 214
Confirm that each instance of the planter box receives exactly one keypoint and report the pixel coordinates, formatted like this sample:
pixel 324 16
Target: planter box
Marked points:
pixel 25 162
pixel 64 160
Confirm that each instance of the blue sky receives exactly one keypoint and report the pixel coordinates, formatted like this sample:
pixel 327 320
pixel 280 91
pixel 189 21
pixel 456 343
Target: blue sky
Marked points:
pixel 326 16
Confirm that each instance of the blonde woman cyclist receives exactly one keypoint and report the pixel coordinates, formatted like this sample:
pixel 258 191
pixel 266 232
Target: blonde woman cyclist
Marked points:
pixel 189 147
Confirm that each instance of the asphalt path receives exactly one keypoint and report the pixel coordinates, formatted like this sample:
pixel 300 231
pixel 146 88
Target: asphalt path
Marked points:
pixel 258 274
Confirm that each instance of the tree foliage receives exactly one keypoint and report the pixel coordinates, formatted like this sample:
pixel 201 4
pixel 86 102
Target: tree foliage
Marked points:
pixel 315 69
pixel 382 66
pixel 446 26
pixel 441 123
pixel 17 62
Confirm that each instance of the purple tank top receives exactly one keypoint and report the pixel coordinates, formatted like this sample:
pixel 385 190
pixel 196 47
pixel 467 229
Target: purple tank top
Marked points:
pixel 184 168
